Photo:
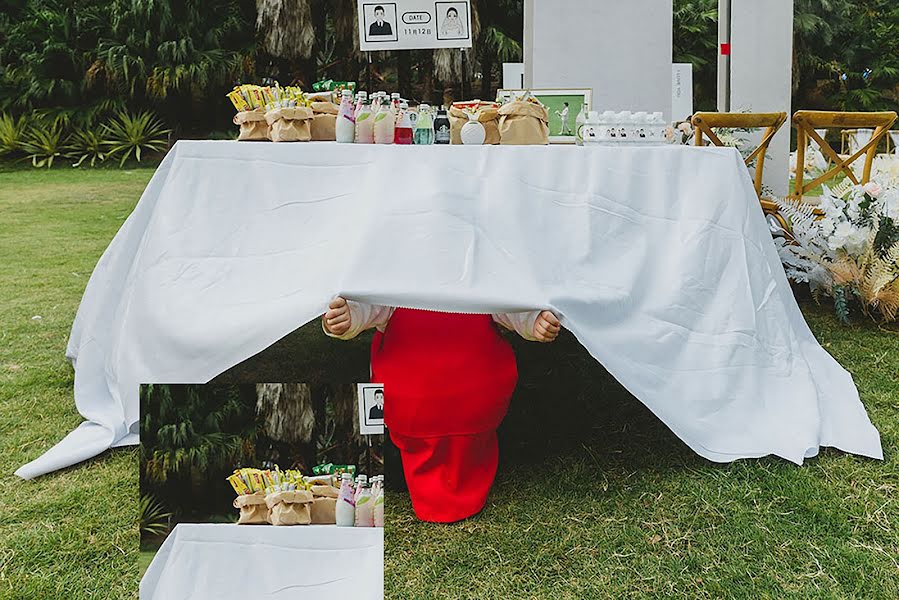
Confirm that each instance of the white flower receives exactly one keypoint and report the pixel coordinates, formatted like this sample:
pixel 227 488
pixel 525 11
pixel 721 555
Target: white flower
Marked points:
pixel 841 235
pixel 686 127
pixel 826 225
pixel 873 189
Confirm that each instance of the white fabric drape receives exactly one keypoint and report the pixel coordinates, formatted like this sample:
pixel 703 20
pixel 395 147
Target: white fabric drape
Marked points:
pixel 658 260
pixel 238 562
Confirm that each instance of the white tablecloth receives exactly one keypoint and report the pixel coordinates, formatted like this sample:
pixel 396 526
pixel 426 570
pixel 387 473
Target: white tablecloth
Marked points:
pixel 658 260
pixel 249 562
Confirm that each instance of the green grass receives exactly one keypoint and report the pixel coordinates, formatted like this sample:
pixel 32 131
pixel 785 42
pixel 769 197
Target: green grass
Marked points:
pixel 595 498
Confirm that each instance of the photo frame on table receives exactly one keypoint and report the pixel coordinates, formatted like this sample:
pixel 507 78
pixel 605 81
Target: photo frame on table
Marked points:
pixel 560 132
pixel 370 400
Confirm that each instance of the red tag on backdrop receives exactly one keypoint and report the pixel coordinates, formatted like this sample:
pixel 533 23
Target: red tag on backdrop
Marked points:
pixel 725 49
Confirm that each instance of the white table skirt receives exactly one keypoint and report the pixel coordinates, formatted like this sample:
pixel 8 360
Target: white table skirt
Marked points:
pixel 243 562
pixel 657 259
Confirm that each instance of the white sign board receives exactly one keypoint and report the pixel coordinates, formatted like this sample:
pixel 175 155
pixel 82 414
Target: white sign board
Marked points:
pixel 620 50
pixel 681 91
pixel 414 24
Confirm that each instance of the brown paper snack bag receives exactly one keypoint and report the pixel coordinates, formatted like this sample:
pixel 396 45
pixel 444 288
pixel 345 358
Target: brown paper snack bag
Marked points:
pixel 324 502
pixel 323 121
pixel 253 510
pixel 253 125
pixel 488 117
pixel 290 508
pixel 523 123
pixel 290 124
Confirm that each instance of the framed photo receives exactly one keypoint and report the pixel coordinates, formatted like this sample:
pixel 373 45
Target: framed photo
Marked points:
pixel 370 399
pixel 563 106
pixel 379 22
pixel 452 20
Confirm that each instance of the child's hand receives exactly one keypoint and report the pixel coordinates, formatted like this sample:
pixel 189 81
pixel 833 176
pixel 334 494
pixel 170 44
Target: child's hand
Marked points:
pixel 546 327
pixel 337 319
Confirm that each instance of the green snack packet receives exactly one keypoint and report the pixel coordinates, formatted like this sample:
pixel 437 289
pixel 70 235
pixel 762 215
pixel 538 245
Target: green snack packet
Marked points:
pixel 323 469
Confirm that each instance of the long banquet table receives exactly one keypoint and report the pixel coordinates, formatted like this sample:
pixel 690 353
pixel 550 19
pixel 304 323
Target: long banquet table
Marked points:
pixel 658 259
pixel 240 562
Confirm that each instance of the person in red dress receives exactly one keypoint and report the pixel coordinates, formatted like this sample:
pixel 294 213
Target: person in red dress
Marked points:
pixel 448 378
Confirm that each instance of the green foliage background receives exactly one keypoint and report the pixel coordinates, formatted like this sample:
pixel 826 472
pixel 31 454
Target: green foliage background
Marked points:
pixel 84 58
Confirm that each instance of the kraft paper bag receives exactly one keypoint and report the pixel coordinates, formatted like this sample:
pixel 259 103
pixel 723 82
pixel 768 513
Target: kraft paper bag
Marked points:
pixel 253 509
pixel 324 503
pixel 523 123
pixel 324 119
pixel 290 124
pixel 488 117
pixel 253 125
pixel 290 508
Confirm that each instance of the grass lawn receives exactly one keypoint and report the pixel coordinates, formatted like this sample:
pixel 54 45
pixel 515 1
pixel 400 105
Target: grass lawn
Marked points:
pixel 595 498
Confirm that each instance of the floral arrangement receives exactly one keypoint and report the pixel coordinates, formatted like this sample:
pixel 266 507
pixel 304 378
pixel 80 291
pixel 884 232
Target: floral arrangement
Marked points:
pixel 849 248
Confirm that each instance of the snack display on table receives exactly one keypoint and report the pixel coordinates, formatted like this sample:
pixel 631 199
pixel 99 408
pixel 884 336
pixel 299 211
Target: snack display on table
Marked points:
pixel 260 106
pixel 276 497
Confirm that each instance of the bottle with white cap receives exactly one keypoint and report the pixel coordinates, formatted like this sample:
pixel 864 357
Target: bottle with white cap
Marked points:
pixel 345 509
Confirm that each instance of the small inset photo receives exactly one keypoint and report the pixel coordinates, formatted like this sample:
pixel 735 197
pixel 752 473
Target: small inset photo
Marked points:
pixel 258 489
pixel 452 20
pixel 380 22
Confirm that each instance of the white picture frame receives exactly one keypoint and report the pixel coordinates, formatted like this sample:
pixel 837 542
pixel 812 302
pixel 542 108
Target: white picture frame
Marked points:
pixel 554 100
pixel 370 423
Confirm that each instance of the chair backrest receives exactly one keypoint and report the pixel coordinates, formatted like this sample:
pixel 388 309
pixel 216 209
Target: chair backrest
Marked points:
pixel 807 122
pixel 706 122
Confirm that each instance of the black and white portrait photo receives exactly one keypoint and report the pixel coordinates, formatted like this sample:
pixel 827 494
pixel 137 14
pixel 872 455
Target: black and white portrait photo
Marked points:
pixel 370 397
pixel 452 20
pixel 380 22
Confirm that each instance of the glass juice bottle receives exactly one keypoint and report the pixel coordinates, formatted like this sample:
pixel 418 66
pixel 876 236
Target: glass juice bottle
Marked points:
pixel 424 126
pixel 403 133
pixel 365 125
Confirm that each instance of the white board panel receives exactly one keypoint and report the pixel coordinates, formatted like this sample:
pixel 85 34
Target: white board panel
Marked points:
pixel 761 38
pixel 622 50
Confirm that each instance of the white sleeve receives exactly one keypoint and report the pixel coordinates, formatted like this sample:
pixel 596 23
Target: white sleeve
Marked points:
pixel 363 316
pixel 521 323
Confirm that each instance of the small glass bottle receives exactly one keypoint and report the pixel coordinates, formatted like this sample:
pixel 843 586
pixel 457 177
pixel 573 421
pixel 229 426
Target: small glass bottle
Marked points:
pixel 424 126
pixel 442 127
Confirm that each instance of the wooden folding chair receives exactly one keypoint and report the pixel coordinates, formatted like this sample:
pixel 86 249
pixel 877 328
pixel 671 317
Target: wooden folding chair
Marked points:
pixel 806 121
pixel 705 122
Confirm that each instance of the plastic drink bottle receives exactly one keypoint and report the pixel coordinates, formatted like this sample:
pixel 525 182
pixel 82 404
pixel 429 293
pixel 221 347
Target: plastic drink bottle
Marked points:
pixel 365 506
pixel 361 481
pixel 442 127
pixel 345 127
pixel 361 97
pixel 365 125
pixel 378 516
pixel 424 126
pixel 403 133
pixel 345 509
pixel 579 123
pixel 385 124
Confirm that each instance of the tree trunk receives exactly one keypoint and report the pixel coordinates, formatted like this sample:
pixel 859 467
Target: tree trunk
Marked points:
pixel 404 73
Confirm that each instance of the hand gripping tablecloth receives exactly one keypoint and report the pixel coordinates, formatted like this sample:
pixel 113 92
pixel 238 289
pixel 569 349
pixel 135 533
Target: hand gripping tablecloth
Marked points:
pixel 657 259
pixel 250 562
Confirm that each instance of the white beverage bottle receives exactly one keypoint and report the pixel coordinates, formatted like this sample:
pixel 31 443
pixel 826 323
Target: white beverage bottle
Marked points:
pixel 361 97
pixel 379 503
pixel 365 125
pixel 365 505
pixel 579 123
pixel 385 124
pixel 361 480
pixel 345 127
pixel 345 510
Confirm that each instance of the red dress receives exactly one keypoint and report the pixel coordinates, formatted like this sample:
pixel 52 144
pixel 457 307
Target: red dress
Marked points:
pixel 447 380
